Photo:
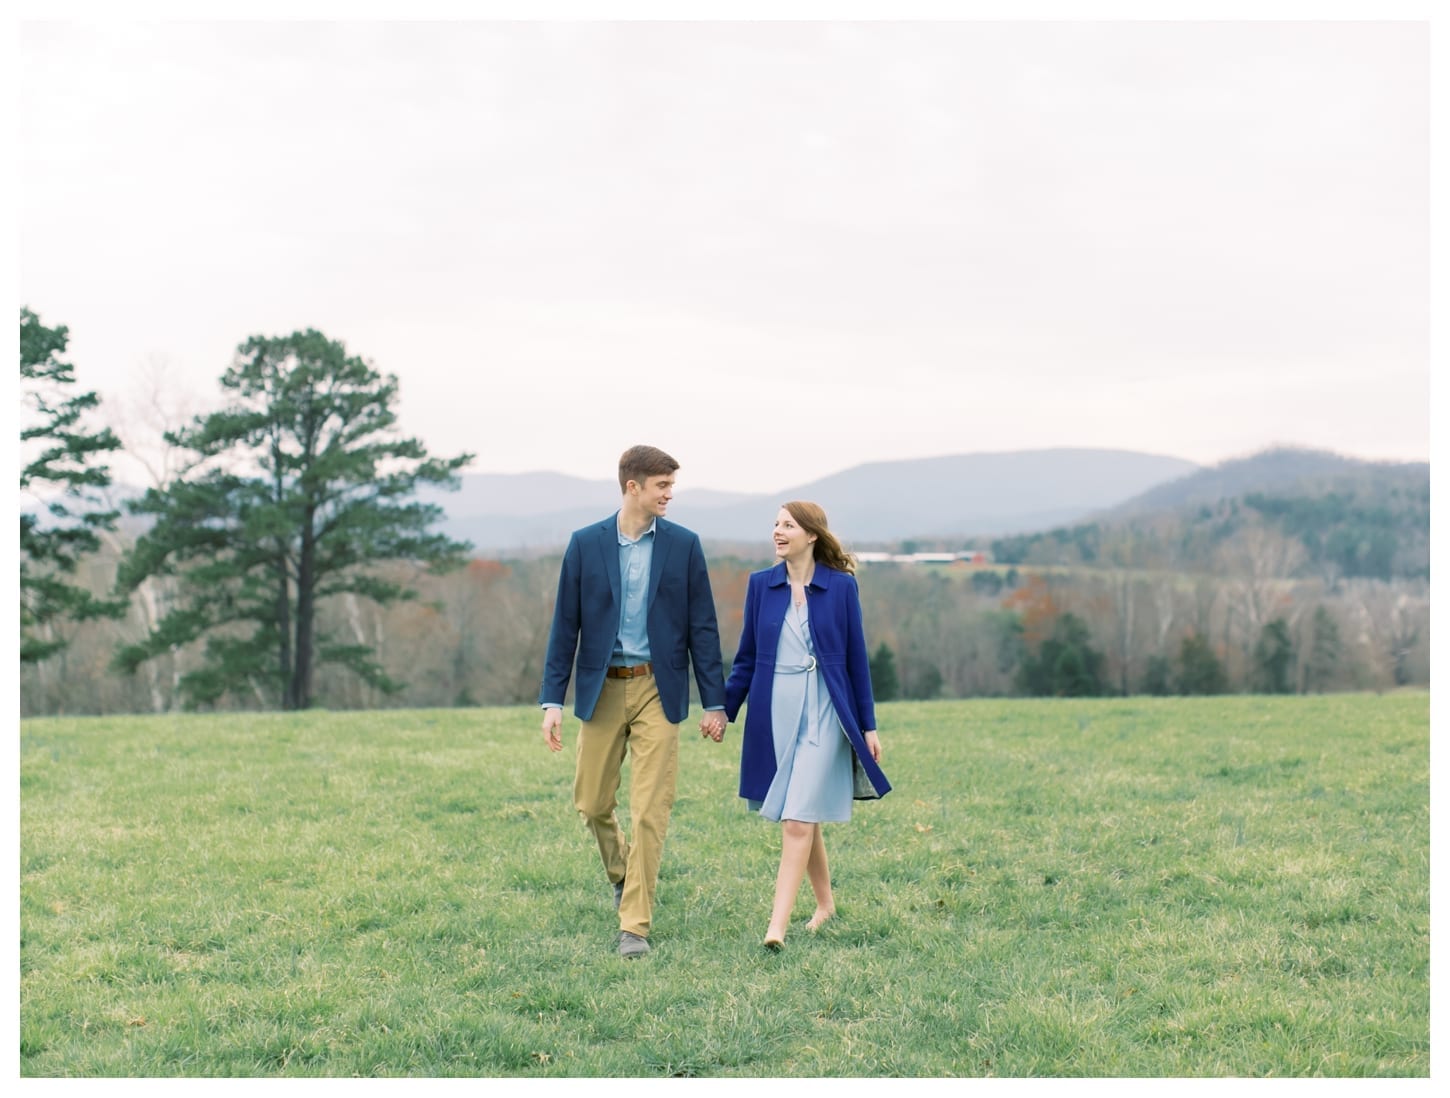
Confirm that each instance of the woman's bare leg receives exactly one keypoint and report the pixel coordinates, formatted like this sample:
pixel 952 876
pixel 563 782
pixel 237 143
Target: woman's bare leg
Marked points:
pixel 796 839
pixel 820 874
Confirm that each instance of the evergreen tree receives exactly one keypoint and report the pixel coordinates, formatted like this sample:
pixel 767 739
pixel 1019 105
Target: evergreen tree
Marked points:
pixel 926 682
pixel 1006 630
pixel 1200 671
pixel 1065 665
pixel 1158 675
pixel 885 686
pixel 1273 659
pixel 299 488
pixel 57 455
pixel 1324 651
pixel 987 583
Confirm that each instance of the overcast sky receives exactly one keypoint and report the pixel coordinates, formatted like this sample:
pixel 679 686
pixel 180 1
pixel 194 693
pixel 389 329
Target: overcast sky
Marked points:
pixel 775 249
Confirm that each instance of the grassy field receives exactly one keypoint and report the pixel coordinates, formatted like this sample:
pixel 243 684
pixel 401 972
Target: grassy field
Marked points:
pixel 1144 887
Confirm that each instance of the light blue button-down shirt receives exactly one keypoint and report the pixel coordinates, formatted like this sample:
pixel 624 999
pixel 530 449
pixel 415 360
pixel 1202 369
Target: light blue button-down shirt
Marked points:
pixel 631 645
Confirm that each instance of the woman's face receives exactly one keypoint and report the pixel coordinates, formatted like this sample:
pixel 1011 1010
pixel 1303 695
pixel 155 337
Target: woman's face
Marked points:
pixel 791 541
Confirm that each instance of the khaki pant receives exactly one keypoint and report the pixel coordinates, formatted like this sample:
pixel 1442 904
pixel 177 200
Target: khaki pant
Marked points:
pixel 629 718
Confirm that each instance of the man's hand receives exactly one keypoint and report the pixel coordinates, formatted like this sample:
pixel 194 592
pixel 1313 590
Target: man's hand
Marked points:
pixel 553 722
pixel 712 724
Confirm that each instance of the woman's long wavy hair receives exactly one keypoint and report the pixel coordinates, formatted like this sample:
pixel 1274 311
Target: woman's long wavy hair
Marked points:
pixel 810 518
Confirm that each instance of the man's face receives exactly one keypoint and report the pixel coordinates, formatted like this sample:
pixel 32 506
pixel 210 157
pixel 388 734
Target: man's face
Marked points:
pixel 655 493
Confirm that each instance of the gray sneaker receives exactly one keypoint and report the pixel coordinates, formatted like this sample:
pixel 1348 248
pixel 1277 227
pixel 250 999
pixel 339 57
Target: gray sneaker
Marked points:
pixel 632 945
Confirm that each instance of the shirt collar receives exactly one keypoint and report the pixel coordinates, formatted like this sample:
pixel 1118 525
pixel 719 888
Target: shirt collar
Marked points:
pixel 626 541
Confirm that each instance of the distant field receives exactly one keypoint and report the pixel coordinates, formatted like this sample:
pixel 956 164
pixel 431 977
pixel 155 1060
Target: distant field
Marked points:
pixel 1146 887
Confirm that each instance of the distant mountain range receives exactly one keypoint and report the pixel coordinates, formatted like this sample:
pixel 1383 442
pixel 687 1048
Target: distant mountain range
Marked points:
pixel 1280 469
pixel 931 500
pixel 966 495
pixel 1350 518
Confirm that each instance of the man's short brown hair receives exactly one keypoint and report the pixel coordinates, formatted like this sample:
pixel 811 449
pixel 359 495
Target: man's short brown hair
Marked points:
pixel 641 462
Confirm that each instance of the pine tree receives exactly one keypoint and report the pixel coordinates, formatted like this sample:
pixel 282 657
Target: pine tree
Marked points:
pixel 1273 658
pixel 1324 651
pixel 299 490
pixel 1200 671
pixel 58 467
pixel 1065 664
pixel 885 686
pixel 1158 675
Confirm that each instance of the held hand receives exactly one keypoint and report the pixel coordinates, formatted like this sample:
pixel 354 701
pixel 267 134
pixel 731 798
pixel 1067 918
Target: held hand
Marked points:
pixel 873 742
pixel 553 721
pixel 712 724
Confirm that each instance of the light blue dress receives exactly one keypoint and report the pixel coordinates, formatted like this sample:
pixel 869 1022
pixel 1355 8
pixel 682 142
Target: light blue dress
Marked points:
pixel 812 754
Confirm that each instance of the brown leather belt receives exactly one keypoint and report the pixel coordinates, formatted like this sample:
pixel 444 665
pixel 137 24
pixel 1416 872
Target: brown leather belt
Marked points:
pixel 629 672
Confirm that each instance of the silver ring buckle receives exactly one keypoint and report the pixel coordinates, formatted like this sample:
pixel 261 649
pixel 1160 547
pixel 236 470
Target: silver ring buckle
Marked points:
pixel 812 665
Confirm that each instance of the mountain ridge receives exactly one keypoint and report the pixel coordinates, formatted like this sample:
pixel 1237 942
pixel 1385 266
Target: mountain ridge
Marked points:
pixel 1275 469
pixel 954 495
pixel 1291 511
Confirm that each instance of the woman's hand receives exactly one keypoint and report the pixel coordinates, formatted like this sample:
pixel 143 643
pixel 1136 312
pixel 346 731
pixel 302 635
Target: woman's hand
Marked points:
pixel 873 742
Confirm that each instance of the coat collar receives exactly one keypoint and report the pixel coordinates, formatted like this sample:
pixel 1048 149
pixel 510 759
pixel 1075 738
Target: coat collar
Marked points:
pixel 820 579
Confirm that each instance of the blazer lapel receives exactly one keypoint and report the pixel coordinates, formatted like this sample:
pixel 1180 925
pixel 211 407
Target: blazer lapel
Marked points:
pixel 661 550
pixel 609 554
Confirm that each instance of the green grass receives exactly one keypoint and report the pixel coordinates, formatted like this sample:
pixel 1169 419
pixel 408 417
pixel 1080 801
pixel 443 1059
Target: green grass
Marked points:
pixel 1176 887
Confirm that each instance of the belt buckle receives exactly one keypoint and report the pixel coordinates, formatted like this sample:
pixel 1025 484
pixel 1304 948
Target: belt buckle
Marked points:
pixel 812 666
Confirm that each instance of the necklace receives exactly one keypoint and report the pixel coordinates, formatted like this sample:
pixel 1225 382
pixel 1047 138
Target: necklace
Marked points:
pixel 800 585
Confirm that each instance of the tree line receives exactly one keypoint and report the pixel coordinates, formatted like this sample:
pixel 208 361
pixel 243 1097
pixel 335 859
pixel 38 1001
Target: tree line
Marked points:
pixel 280 561
pixel 1091 632
pixel 475 635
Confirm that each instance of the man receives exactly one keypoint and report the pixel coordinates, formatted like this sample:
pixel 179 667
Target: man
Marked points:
pixel 634 599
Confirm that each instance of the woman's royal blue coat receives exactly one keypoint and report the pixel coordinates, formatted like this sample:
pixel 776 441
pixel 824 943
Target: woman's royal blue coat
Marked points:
pixel 840 644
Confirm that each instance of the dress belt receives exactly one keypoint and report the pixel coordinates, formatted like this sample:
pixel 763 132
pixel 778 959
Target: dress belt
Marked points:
pixel 809 703
pixel 786 669
pixel 629 672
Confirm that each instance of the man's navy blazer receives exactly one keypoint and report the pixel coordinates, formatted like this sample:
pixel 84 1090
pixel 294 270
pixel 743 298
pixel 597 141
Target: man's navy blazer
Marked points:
pixel 680 619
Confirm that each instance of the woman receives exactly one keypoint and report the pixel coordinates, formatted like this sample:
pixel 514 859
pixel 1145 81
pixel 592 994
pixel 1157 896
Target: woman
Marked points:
pixel 810 742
